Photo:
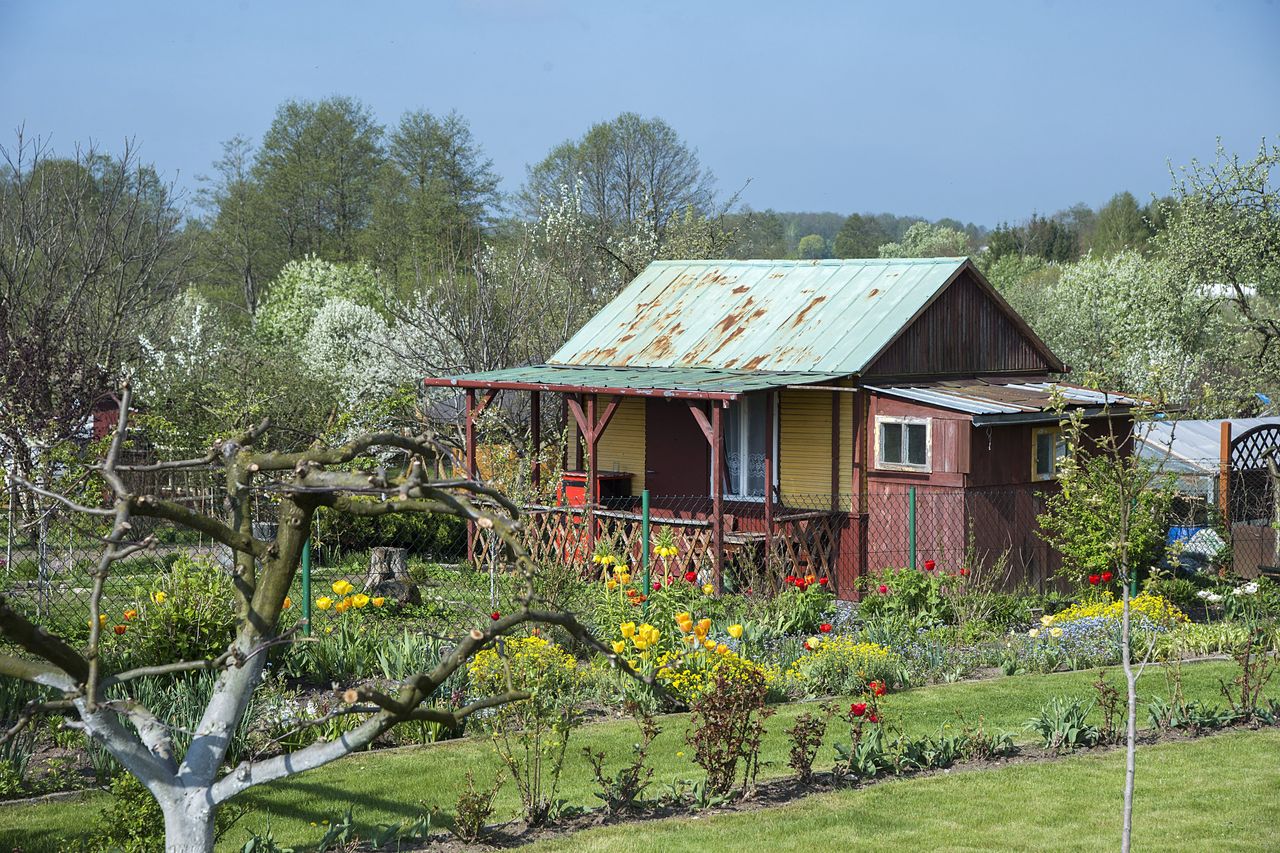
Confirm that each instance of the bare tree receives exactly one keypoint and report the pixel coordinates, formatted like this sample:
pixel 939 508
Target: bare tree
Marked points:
pixel 190 787
pixel 88 245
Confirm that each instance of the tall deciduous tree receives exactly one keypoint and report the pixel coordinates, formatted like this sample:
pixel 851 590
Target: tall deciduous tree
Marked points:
pixel 1223 234
pixel 317 165
pixel 235 245
pixel 436 194
pixel 89 247
pixel 630 168
pixel 923 240
pixel 1120 225
pixel 860 237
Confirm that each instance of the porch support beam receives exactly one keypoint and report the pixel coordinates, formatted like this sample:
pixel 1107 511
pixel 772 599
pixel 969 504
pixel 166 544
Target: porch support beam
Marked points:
pixel 770 407
pixel 591 474
pixel 835 451
pixel 535 438
pixel 717 498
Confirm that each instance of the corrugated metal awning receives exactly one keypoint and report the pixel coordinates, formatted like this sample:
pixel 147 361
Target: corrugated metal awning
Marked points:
pixel 994 401
pixel 704 383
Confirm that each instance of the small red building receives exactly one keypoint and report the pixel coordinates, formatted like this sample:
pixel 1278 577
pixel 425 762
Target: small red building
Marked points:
pixel 808 416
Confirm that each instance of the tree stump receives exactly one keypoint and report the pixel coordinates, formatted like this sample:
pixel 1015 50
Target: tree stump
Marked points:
pixel 389 576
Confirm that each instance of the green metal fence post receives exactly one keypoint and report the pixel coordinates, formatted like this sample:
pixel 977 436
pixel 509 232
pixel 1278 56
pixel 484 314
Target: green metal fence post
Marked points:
pixel 911 525
pixel 644 547
pixel 306 587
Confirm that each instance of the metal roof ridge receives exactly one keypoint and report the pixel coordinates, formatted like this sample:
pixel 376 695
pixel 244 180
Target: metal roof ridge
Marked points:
pixel 795 262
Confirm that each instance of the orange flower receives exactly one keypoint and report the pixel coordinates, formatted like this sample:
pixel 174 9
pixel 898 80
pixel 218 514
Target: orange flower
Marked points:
pixel 120 629
pixel 288 603
pixel 130 615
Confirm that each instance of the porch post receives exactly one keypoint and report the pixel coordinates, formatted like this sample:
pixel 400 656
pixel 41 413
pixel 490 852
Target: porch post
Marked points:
pixel 535 438
pixel 469 434
pixel 835 450
pixel 591 475
pixel 1224 474
pixel 769 406
pixel 717 497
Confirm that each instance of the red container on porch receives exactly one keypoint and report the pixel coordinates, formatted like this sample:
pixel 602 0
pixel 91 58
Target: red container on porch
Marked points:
pixel 612 487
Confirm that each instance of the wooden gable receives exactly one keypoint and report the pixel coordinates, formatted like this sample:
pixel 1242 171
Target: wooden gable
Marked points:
pixel 967 330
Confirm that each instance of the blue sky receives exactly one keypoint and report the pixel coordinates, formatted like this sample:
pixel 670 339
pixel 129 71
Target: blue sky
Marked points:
pixel 981 111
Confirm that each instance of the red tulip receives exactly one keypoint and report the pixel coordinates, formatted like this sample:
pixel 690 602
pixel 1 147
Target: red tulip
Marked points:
pixel 877 687
pixel 657 585
pixel 872 718
pixel 822 581
pixel 825 627
pixel 495 616
pixel 691 576
pixel 884 590
pixel 929 565
pixel 789 579
pixel 1093 580
pixel 964 573
pixel 858 709
pixel 807 647
pixel 1106 577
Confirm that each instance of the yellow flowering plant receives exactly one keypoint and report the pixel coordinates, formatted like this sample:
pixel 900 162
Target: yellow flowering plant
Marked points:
pixel 1159 611
pixel 530 735
pixel 841 665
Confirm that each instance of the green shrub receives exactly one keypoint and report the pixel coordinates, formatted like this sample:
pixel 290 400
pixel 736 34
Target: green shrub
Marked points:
pixel 186 615
pixel 1180 591
pixel 796 610
pixel 914 594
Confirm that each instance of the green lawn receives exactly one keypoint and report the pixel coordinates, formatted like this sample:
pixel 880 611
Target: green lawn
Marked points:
pixel 1217 793
pixel 388 786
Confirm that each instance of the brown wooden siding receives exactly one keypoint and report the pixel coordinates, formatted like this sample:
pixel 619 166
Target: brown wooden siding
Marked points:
pixel 963 332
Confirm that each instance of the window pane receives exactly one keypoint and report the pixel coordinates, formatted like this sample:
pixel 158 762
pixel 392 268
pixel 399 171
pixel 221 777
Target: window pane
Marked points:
pixel 891 443
pixel 1044 454
pixel 755 444
pixel 917 439
pixel 732 449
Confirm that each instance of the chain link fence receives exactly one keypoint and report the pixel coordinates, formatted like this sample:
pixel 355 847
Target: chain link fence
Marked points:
pixel 451 571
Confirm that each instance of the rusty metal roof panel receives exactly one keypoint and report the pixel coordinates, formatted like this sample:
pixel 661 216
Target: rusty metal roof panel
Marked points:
pixel 995 397
pixel 820 316
pixel 638 379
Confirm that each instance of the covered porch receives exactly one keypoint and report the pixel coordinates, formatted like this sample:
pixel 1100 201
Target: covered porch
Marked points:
pixel 704 443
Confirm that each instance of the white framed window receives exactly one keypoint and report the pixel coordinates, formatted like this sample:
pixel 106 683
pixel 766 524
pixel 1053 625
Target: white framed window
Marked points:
pixel 904 444
pixel 744 429
pixel 1048 449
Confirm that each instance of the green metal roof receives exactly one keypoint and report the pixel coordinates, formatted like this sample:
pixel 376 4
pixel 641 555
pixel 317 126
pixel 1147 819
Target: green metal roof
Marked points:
pixel 829 317
pixel 647 381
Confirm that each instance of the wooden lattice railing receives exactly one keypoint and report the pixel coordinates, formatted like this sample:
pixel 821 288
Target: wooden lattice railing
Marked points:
pixel 802 542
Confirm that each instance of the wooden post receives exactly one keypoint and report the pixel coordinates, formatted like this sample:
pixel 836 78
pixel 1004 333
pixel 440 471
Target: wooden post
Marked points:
pixel 1224 475
pixel 769 406
pixel 469 433
pixel 717 497
pixel 835 450
pixel 591 474
pixel 535 439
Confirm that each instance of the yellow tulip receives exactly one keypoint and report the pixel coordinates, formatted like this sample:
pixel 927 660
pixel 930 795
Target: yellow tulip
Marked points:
pixel 158 597
pixel 628 629
pixel 378 601
pixel 342 606
pixel 1046 620
pixel 610 583
pixel 1056 632
pixel 708 644
pixel 708 589
pixel 342 587
pixel 359 601
pixel 701 629
pixel 1033 633
pixel 324 602
pixel 641 643
pixel 721 649
pixel 619 647
pixel 624 577
pixel 735 631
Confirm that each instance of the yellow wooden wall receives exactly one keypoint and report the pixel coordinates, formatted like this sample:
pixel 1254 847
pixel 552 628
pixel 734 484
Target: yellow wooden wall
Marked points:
pixel 804 445
pixel 621 447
